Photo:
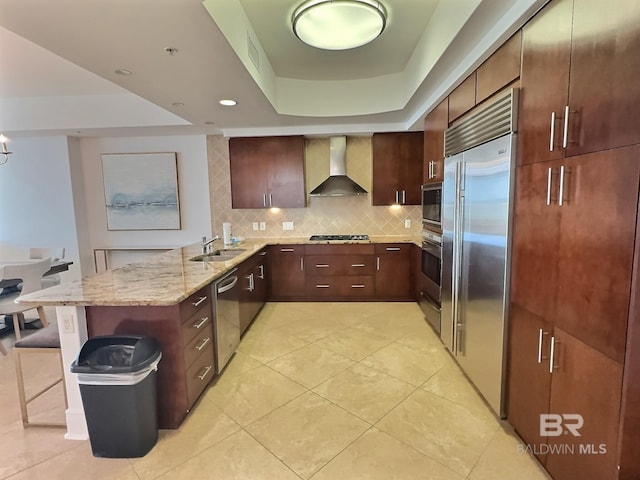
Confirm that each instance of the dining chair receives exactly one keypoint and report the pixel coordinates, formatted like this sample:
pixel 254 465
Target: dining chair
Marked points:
pixel 31 275
pixel 45 340
pixel 55 253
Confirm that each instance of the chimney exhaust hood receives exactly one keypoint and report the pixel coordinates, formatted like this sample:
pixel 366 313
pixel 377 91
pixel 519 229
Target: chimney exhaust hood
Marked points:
pixel 338 184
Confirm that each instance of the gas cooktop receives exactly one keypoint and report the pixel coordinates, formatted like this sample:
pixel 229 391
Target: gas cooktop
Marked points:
pixel 338 237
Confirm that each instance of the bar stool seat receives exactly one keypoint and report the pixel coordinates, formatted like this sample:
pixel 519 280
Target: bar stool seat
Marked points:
pixel 45 340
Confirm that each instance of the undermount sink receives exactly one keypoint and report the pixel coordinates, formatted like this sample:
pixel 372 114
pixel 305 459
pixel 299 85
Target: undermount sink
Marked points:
pixel 220 255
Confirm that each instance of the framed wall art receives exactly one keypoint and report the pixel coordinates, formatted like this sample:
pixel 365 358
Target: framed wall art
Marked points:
pixel 141 191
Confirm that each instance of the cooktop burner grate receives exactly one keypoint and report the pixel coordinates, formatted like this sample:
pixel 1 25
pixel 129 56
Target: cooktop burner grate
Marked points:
pixel 338 237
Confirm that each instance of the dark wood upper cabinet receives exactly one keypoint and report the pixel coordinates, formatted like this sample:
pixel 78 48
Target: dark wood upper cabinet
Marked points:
pixel 267 172
pixel 579 89
pixel 500 69
pixel 397 168
pixel 462 98
pixel 435 123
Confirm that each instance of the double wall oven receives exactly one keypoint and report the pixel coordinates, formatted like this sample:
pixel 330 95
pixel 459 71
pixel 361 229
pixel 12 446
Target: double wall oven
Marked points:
pixel 431 262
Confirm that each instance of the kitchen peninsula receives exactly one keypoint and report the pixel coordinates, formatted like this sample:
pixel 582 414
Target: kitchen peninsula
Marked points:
pixel 166 290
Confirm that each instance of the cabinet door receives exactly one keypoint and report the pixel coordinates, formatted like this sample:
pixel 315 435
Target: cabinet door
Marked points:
pixel 393 272
pixel 462 98
pixel 536 238
pixel 410 167
pixel 287 271
pixel 528 375
pixel 435 123
pixel 596 247
pixel 248 172
pixel 246 280
pixel 285 181
pixel 604 92
pixel 544 82
pixel 386 175
pixel 500 69
pixel 586 383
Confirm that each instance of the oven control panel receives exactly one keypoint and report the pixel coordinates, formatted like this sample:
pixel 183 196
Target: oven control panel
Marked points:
pixel 431 237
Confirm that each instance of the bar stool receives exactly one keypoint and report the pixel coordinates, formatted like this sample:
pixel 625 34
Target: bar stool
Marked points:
pixel 45 340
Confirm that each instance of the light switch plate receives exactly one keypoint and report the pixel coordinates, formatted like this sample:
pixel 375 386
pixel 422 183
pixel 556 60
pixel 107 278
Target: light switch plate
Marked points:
pixel 287 225
pixel 263 226
pixel 67 324
pixel 255 225
pixel 407 223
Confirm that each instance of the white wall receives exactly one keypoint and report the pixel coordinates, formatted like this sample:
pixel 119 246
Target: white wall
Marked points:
pixel 193 188
pixel 51 194
pixel 36 200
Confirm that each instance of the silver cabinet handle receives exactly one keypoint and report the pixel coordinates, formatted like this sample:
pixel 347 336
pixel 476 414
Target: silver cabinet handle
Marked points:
pixel 322 265
pixel 264 199
pixel 404 197
pixel 203 344
pixel 397 197
pixel 206 372
pixel 551 354
pixel 251 285
pixel 357 286
pixel 541 333
pixel 286 250
pixel 377 263
pixel 262 254
pixel 261 275
pixel 549 186
pixel 200 301
pixel 270 200
pixel 322 286
pixel 561 191
pixel 553 127
pixel 357 265
pixel 301 264
pixel 201 323
pixel 393 249
pixel 565 135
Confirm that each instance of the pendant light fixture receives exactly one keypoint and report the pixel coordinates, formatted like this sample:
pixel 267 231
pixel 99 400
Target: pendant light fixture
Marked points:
pixel 339 24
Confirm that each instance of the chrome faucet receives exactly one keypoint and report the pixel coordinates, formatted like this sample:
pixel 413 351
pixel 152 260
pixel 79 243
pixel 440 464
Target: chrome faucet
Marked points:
pixel 206 244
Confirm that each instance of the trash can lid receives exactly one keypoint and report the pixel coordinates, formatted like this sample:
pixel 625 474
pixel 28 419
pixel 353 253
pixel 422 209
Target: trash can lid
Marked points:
pixel 110 354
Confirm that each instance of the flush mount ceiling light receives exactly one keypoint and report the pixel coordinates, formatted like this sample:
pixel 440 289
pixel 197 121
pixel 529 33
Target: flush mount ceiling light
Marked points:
pixel 228 102
pixel 338 24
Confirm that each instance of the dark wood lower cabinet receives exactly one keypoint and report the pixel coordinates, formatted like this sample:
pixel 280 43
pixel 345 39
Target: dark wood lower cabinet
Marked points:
pixel 252 291
pixel 186 338
pixel 286 271
pixel 393 272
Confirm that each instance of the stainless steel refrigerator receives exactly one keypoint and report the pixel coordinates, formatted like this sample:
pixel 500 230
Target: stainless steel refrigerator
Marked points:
pixel 476 212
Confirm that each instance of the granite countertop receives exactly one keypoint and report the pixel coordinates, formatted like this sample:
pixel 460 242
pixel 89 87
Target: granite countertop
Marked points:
pixel 166 278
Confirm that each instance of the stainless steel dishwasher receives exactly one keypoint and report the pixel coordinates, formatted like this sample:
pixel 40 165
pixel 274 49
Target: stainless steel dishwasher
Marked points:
pixel 226 318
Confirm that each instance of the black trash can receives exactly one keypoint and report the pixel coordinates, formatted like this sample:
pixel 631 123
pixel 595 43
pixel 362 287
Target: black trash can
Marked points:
pixel 117 377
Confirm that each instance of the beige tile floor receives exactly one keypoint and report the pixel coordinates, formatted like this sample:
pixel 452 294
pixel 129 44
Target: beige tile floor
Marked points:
pixel 317 391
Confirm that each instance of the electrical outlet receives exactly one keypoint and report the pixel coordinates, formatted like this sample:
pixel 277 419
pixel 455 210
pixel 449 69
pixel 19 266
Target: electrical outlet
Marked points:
pixel 263 226
pixel 255 225
pixel 407 223
pixel 287 225
pixel 67 324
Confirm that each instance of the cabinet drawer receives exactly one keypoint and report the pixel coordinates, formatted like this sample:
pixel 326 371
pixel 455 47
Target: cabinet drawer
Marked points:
pixel 324 265
pixel 344 286
pixel 393 248
pixel 190 306
pixel 199 374
pixel 198 345
pixel 288 249
pixel 196 323
pixel 339 249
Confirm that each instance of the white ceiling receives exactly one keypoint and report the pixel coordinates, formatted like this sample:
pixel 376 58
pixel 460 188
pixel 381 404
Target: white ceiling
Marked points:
pixel 58 61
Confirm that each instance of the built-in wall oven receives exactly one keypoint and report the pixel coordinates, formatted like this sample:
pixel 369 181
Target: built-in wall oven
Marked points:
pixel 431 267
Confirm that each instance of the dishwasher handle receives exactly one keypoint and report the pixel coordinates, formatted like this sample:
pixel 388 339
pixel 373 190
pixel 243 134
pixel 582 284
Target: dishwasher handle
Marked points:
pixel 228 286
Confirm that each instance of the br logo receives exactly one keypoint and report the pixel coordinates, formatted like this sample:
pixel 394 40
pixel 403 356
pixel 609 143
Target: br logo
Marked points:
pixel 554 424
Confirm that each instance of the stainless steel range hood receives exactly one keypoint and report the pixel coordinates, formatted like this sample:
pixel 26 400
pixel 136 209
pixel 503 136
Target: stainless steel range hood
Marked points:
pixel 338 184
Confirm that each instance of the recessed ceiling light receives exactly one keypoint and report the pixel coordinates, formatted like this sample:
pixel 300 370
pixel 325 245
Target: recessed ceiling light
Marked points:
pixel 178 104
pixel 338 24
pixel 122 71
pixel 171 50
pixel 209 123
pixel 228 103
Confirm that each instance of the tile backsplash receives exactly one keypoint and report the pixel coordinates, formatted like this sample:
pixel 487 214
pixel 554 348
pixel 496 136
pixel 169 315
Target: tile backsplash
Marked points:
pixel 328 215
